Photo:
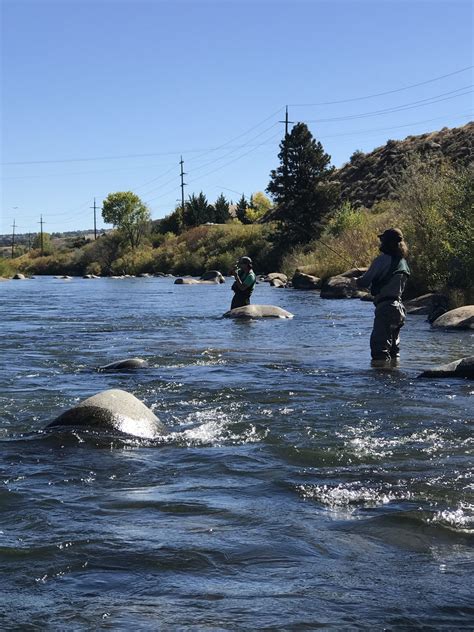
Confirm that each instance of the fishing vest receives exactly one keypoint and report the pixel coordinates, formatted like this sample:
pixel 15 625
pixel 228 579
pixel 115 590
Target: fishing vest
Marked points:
pixel 398 265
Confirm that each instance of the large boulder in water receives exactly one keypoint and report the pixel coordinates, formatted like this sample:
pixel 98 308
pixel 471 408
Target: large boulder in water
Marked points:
pixel 186 281
pixel 303 281
pixel 258 311
pixel 459 318
pixel 115 410
pixel 353 273
pixel 213 275
pixel 189 281
pixel 277 283
pixel 432 305
pixel 338 287
pixel 459 368
pixel 272 276
pixel 19 276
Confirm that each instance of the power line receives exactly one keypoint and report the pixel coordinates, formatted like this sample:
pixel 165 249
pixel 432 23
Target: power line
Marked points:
pixel 217 169
pixel 399 108
pixel 381 94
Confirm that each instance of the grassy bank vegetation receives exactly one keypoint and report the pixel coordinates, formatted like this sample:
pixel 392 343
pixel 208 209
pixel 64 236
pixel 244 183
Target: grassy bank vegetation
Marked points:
pixel 434 207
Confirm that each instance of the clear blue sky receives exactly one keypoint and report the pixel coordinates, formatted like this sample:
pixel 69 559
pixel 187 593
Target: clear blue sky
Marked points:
pixel 105 96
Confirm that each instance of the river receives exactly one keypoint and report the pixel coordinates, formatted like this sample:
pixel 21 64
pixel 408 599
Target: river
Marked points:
pixel 299 488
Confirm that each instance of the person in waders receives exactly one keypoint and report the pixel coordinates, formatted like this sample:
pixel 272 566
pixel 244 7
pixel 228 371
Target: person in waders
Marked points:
pixel 244 283
pixel 387 277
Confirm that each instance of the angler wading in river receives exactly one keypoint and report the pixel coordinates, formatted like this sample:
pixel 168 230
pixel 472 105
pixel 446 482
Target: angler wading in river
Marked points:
pixel 244 282
pixel 387 277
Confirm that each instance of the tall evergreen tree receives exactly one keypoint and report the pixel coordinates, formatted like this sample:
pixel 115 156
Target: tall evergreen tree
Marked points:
pixel 198 211
pixel 302 186
pixel 221 208
pixel 241 210
pixel 172 223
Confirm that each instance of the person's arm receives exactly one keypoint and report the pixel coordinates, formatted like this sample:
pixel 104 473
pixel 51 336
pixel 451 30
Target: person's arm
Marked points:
pixel 238 281
pixel 379 266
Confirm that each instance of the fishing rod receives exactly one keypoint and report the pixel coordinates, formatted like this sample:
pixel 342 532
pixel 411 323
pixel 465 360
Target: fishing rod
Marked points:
pixel 338 254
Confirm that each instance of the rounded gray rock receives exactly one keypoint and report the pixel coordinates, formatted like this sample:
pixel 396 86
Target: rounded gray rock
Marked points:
pixel 115 410
pixel 459 318
pixel 258 311
pixel 213 275
pixel 459 368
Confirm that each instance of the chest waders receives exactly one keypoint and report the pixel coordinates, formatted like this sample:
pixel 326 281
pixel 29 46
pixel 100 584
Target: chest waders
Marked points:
pixel 241 296
pixel 389 315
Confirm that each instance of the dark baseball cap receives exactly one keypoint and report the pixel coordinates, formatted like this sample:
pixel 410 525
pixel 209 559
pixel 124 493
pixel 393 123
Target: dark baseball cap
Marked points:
pixel 391 234
pixel 246 260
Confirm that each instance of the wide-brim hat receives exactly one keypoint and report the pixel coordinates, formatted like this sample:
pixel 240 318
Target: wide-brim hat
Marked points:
pixel 246 260
pixel 391 234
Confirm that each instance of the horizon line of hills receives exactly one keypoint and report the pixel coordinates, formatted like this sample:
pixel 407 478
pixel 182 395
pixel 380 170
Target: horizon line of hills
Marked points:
pixel 367 178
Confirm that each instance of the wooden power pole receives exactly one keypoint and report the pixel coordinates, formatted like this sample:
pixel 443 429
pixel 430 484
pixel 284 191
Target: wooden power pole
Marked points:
pixel 182 185
pixel 95 221
pixel 13 239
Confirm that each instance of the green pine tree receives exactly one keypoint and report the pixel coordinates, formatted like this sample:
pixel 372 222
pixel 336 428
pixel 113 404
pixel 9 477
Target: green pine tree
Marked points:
pixel 221 208
pixel 198 211
pixel 241 210
pixel 302 187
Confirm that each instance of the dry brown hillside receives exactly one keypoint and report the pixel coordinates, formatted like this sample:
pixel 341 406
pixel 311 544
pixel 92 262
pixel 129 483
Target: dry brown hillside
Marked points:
pixel 368 178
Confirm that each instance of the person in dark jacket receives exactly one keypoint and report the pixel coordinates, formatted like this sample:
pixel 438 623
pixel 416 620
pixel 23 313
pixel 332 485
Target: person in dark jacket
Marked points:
pixel 244 282
pixel 387 277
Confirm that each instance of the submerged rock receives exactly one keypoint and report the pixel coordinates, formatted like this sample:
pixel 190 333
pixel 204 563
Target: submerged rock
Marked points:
pixel 459 318
pixel 115 410
pixel 258 311
pixel 125 365
pixel 459 368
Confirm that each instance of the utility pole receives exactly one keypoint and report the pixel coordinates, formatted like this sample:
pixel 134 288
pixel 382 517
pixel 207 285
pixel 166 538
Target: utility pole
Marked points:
pixel 182 185
pixel 95 224
pixel 41 234
pixel 13 239
pixel 285 155
pixel 286 122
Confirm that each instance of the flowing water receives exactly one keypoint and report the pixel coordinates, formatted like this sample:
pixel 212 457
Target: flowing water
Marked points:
pixel 299 488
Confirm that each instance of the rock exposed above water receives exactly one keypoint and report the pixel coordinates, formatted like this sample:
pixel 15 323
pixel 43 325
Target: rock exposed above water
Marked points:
pixel 459 318
pixel 125 365
pixel 213 275
pixel 303 281
pixel 338 287
pixel 459 368
pixel 258 311
pixel 423 305
pixel 115 410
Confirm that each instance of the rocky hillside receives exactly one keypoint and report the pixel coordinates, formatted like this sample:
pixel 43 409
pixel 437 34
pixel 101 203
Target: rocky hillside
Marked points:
pixel 368 178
